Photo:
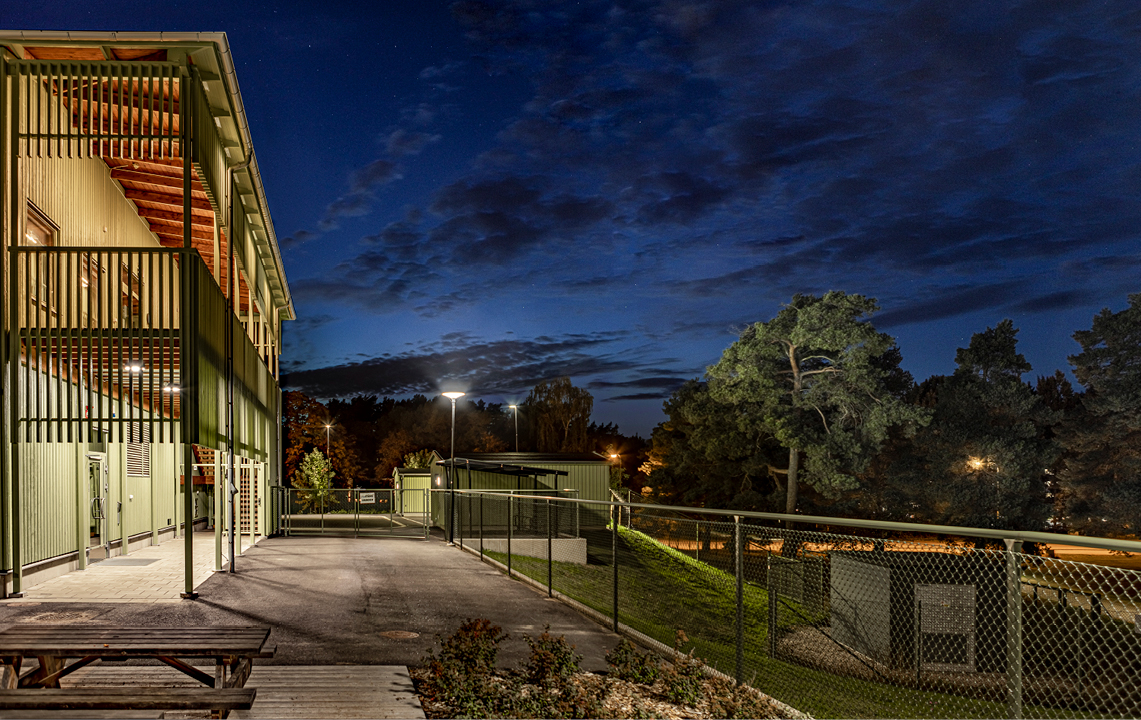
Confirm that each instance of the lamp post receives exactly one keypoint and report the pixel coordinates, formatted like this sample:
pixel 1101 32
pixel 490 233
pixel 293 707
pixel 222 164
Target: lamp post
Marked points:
pixel 327 428
pixel 453 396
pixel 516 409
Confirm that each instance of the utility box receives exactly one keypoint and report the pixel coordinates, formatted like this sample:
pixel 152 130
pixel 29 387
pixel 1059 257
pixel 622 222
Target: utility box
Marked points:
pixel 943 612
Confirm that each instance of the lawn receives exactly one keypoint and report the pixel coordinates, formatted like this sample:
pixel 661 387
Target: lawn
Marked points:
pixel 662 591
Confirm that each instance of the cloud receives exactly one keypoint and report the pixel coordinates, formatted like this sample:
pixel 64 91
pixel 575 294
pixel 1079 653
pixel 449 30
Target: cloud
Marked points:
pixel 401 142
pixel 487 368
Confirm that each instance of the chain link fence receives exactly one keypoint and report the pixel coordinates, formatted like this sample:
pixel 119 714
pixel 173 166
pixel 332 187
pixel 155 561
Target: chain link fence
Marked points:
pixel 355 511
pixel 840 618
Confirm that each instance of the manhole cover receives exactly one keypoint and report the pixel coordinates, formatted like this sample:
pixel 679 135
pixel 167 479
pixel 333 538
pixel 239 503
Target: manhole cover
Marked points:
pixel 399 634
pixel 128 562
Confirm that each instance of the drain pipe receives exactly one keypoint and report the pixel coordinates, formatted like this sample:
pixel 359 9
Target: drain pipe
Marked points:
pixel 232 285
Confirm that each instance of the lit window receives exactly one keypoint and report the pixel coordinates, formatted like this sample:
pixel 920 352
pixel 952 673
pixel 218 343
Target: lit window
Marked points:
pixel 40 232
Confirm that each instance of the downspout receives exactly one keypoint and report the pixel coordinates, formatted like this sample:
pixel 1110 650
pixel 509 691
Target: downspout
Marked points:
pixel 231 282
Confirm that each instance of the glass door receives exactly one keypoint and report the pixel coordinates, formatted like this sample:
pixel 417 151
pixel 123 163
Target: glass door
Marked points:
pixel 99 542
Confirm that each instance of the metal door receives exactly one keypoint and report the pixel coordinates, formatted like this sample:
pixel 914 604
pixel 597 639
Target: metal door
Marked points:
pixel 98 489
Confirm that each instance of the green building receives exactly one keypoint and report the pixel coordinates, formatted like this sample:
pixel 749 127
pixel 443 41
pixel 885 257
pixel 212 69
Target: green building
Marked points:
pixel 143 296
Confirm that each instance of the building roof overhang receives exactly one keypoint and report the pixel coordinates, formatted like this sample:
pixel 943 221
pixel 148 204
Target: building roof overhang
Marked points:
pixel 210 53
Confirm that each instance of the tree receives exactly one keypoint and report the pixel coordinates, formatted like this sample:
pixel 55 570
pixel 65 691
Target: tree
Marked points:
pixel 818 378
pixel 314 482
pixel 1101 475
pixel 304 421
pixel 982 460
pixel 559 414
pixel 701 457
pixel 419 459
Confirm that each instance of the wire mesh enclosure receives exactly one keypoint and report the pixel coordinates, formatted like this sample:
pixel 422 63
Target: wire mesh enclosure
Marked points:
pixel 354 511
pixel 863 622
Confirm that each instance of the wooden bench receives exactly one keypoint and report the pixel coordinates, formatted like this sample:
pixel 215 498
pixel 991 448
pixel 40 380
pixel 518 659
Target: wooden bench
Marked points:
pixel 218 700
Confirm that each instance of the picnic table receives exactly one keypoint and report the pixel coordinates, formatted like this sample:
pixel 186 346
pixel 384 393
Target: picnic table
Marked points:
pixel 233 650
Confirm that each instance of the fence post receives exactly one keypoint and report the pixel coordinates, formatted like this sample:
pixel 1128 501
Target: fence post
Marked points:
pixel 614 555
pixel 550 563
pixel 322 523
pixel 770 582
pixel 481 526
pixel 510 522
pixel 460 520
pixel 1014 628
pixel 740 569
pixel 427 513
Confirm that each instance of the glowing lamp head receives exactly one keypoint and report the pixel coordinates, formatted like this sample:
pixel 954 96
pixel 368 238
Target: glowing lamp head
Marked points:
pixel 454 395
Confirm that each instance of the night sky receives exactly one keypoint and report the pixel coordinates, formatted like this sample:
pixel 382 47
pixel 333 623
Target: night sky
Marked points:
pixel 483 195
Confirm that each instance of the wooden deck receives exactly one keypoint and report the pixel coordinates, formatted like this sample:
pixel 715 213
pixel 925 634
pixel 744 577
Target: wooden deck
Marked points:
pixel 286 691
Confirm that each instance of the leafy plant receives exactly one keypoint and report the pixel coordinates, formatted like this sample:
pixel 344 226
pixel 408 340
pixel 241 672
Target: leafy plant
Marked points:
pixel 459 675
pixel 553 659
pixel 626 663
pixel 314 482
pixel 683 675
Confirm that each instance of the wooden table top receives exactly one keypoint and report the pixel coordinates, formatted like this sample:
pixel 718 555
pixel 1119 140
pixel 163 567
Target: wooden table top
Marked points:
pixel 27 639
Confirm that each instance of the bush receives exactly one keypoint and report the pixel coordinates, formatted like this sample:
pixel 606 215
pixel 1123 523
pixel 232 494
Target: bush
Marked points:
pixel 626 663
pixel 553 659
pixel 683 678
pixel 683 675
pixel 458 677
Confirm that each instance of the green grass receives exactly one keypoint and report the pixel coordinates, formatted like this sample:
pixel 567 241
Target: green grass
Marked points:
pixel 662 590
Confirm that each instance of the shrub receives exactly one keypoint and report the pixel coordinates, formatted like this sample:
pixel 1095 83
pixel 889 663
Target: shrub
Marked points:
pixel 626 663
pixel 459 675
pixel 683 677
pixel 553 659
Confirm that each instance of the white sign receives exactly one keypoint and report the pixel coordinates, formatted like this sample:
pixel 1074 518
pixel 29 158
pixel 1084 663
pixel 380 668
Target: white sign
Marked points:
pixel 368 498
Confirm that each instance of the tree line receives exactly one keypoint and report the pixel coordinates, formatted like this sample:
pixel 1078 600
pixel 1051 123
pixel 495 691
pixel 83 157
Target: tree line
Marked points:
pixel 365 437
pixel 810 412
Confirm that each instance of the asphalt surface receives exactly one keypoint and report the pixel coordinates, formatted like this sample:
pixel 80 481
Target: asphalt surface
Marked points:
pixel 328 599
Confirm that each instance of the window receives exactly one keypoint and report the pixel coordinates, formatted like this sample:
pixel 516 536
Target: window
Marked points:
pixel 90 280
pixel 40 232
pixel 130 296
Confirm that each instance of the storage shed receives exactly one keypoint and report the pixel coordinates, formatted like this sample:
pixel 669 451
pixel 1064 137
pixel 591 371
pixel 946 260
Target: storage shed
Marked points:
pixel 932 610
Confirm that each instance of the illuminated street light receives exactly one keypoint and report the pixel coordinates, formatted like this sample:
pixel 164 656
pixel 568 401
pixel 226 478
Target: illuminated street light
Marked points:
pixel 453 396
pixel 516 409
pixel 327 429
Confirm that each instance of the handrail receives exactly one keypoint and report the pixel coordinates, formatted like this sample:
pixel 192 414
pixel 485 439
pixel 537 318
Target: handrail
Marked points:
pixel 1130 546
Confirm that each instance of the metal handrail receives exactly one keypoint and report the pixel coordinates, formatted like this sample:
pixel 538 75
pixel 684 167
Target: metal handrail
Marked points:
pixel 1131 546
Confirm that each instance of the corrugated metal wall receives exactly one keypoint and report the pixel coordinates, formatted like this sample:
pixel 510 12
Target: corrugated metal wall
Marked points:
pixel 82 200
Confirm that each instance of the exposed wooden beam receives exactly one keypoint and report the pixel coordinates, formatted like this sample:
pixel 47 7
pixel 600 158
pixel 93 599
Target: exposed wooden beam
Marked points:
pixel 202 206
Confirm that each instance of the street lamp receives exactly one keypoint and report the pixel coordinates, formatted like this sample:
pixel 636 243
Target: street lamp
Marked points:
pixel 516 409
pixel 453 396
pixel 327 428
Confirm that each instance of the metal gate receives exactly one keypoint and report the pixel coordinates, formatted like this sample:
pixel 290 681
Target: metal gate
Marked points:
pixel 355 511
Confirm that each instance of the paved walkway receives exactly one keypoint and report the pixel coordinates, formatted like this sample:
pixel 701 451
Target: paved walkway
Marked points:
pixel 333 601
pixel 149 575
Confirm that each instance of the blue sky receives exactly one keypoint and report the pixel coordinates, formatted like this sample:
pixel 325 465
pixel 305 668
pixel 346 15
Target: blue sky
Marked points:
pixel 487 194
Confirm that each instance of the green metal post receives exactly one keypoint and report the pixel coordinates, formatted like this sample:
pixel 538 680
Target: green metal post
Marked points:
pixel 10 510
pixel 614 555
pixel 1014 629
pixel 550 590
pixel 510 522
pixel 481 526
pixel 740 624
pixel 188 360
pixel 770 582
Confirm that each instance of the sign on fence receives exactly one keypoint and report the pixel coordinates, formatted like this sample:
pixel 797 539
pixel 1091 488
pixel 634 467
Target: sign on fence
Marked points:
pixel 368 498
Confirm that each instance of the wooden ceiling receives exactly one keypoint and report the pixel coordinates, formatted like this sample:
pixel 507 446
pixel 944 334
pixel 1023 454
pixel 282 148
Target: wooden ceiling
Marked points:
pixel 154 185
pixel 94 53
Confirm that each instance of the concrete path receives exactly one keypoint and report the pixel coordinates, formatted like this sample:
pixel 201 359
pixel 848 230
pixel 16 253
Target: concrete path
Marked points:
pixel 151 574
pixel 345 601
